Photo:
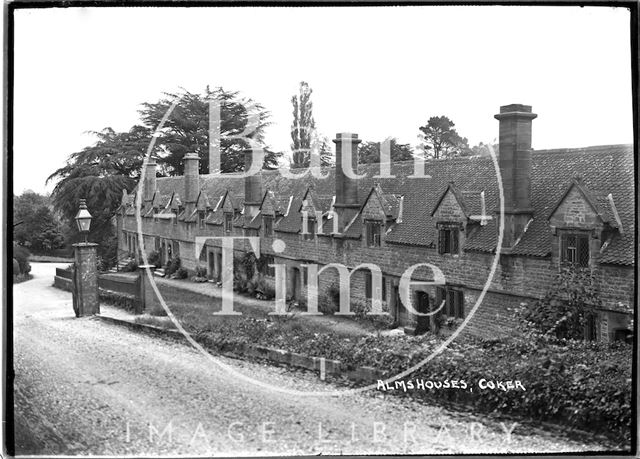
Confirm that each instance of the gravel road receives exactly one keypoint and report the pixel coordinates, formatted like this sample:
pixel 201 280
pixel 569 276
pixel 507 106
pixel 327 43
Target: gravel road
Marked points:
pixel 86 387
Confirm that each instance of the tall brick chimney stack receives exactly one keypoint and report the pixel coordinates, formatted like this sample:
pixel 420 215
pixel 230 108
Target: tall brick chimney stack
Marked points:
pixel 346 204
pixel 149 183
pixel 252 187
pixel 515 167
pixel 191 181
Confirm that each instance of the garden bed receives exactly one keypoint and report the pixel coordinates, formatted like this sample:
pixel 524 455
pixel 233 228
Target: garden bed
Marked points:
pixel 580 385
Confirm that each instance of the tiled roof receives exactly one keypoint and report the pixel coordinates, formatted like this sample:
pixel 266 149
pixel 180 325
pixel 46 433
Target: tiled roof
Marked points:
pixel 602 170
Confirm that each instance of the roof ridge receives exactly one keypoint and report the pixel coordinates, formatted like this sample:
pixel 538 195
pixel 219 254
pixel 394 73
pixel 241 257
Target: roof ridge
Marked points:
pixel 602 149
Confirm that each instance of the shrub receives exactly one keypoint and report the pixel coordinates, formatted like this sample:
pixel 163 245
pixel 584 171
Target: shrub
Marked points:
pixel 172 266
pixel 326 305
pixel 154 258
pixel 564 309
pixel 200 274
pixel 21 254
pixel 181 273
pixel 360 308
pixel 263 289
pixel 131 266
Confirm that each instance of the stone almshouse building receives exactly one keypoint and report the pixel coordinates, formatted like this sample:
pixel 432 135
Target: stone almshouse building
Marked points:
pixel 564 205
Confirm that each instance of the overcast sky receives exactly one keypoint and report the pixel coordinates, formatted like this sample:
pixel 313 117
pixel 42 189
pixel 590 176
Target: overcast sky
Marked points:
pixel 378 72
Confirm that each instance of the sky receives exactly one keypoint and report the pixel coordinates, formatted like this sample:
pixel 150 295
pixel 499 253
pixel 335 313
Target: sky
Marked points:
pixel 375 71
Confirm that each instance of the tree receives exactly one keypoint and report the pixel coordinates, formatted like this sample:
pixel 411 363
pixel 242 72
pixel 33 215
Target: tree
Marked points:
pixel 369 152
pixel 482 149
pixel 304 136
pixel 565 307
pixel 187 129
pixel 441 140
pixel 99 173
pixel 303 127
pixel 39 228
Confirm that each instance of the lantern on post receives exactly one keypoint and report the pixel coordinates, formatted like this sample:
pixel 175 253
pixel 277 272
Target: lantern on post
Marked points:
pixel 86 301
pixel 83 219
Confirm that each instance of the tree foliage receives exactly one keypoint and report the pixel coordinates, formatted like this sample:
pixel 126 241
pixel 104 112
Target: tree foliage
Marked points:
pixel 98 174
pixel 187 129
pixel 441 140
pixel 369 152
pixel 304 136
pixel 37 226
pixel 483 149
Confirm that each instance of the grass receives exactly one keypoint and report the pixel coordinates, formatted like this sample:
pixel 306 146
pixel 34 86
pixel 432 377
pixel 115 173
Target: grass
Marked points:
pixel 49 259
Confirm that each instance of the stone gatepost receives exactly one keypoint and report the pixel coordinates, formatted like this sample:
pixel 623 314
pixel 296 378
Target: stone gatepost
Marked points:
pixel 148 298
pixel 86 301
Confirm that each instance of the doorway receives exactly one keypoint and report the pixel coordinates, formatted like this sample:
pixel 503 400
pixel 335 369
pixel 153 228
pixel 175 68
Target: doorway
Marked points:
pixel 424 322
pixel 211 267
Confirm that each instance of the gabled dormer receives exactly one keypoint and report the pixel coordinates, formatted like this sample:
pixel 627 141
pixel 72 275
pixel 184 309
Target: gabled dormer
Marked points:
pixel 230 210
pixel 309 212
pixel 270 211
pixel 202 208
pixel 378 213
pixel 176 206
pixel 457 214
pixel 583 222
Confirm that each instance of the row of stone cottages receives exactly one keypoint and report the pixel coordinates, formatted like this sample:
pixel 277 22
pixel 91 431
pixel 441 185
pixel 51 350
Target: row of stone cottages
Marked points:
pixel 571 206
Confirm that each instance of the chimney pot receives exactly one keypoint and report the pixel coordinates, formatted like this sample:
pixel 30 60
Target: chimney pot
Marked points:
pixel 191 181
pixel 515 168
pixel 252 186
pixel 346 204
pixel 149 182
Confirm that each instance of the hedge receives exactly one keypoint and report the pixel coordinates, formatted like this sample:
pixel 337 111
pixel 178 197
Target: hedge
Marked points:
pixel 578 384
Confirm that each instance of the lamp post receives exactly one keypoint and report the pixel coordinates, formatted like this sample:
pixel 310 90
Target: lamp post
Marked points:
pixel 83 220
pixel 85 276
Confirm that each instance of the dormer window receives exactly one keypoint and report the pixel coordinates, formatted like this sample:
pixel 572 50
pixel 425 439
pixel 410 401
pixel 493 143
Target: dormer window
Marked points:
pixel 267 221
pixel 448 238
pixel 574 249
pixel 174 219
pixel 373 230
pixel 201 216
pixel 228 222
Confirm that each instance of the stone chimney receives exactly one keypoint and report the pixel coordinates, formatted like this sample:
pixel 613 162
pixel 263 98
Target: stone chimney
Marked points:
pixel 191 181
pixel 515 167
pixel 252 187
pixel 149 183
pixel 346 205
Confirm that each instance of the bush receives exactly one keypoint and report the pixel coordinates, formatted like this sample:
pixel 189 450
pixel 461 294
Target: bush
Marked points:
pixel 172 266
pixel 263 289
pixel 326 305
pixel 181 273
pixel 131 266
pixel 564 309
pixel 21 254
pixel 200 275
pixel 154 258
